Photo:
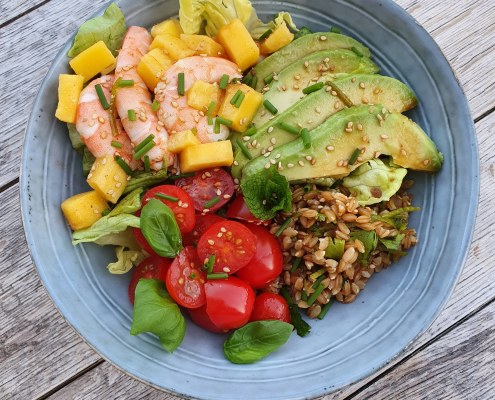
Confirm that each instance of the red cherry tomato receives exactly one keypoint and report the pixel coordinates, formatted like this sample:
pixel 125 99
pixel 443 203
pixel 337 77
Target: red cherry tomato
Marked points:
pixel 141 240
pixel 239 210
pixel 185 279
pixel 206 185
pixel 232 243
pixel 229 302
pixel 203 222
pixel 270 306
pixel 201 318
pixel 154 267
pixel 183 209
pixel 267 263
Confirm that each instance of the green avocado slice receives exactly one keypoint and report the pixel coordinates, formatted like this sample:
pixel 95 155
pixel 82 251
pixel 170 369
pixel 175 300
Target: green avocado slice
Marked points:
pixel 301 47
pixel 287 88
pixel 370 130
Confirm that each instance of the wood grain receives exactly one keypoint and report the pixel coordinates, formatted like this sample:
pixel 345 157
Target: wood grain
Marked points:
pixel 12 9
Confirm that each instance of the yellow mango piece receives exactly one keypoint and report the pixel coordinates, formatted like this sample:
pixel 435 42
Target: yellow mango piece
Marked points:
pixel 107 178
pixel 201 94
pixel 172 46
pixel 241 117
pixel 152 67
pixel 202 44
pixel 69 89
pixel 279 38
pixel 180 140
pixel 169 26
pixel 92 61
pixel 206 155
pixel 84 209
pixel 238 43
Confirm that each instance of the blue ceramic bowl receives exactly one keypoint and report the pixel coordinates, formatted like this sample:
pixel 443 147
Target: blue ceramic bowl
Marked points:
pixel 353 340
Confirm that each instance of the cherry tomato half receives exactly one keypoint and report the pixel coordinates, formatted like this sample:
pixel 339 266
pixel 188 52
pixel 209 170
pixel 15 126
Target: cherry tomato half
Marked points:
pixel 141 240
pixel 206 185
pixel 229 302
pixel 232 243
pixel 239 210
pixel 183 208
pixel 203 222
pixel 185 279
pixel 270 306
pixel 200 317
pixel 266 264
pixel 154 267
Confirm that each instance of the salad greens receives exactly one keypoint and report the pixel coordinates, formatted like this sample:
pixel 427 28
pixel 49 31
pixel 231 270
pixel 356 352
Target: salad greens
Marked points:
pixel 105 226
pixel 126 259
pixel 129 204
pixel 397 218
pixel 369 239
pixel 110 27
pixel 75 138
pixel 392 244
pixel 156 312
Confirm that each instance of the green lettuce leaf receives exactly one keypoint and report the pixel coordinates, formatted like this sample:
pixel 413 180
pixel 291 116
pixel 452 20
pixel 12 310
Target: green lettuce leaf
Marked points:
pixel 110 27
pixel 88 160
pixel 393 244
pixel 105 226
pixel 125 239
pixel 75 138
pixel 266 193
pixel 256 27
pixel 126 259
pixel 374 182
pixel 129 204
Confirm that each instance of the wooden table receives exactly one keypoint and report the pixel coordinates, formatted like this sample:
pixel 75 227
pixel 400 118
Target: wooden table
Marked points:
pixel 42 357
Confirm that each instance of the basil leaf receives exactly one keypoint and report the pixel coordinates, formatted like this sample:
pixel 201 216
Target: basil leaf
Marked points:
pixel 105 226
pixel 256 340
pixel 145 179
pixel 129 204
pixel 160 229
pixel 155 312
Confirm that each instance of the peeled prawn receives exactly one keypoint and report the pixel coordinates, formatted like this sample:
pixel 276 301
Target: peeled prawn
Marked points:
pixel 137 97
pixel 93 124
pixel 175 113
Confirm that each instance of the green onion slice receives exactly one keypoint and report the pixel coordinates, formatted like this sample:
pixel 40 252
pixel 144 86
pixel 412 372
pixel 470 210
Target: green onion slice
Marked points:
pixel 244 149
pixel 116 144
pixel 250 131
pixel 141 152
pixel 265 34
pixel 224 121
pixel 148 139
pixel 283 226
pixel 131 115
pixel 123 165
pixel 235 96
pixel 224 80
pixel 306 138
pixel 313 88
pixel 181 84
pixel 212 202
pixel 354 156
pixel 239 100
pixel 270 107
pixel 166 197
pixel 124 83
pixel 146 160
pixel 155 106
pixel 315 294
pixel 325 309
pixel 210 263
pixel 101 96
pixel 288 128
pixel 219 275
pixel 295 264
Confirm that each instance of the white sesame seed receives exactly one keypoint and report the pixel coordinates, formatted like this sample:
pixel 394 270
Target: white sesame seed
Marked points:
pixel 270 148
pixel 227 196
pixel 226 269
pixel 301 163
pixel 384 137
pixel 290 165
pixel 330 148
pixel 267 165
pixel 273 162
pixel 323 38
pixel 309 158
pixel 246 138
pixel 270 129
pixel 267 154
pixel 273 141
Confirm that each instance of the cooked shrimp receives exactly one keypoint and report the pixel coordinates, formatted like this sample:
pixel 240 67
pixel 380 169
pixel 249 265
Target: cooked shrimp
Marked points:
pixel 174 112
pixel 93 124
pixel 137 97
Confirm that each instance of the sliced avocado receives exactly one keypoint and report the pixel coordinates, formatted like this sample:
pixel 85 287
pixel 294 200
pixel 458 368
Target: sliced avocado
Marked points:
pixel 376 89
pixel 301 47
pixel 308 112
pixel 287 88
pixel 369 130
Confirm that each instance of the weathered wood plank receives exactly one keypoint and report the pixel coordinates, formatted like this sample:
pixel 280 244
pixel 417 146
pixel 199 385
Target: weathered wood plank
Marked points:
pixel 13 8
pixel 38 350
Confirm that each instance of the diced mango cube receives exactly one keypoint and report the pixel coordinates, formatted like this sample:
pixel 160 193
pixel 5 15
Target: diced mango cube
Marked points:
pixel 107 178
pixel 169 26
pixel 69 89
pixel 180 140
pixel 241 117
pixel 201 94
pixel 238 44
pixel 84 209
pixel 152 67
pixel 92 61
pixel 203 44
pixel 279 38
pixel 172 46
pixel 206 155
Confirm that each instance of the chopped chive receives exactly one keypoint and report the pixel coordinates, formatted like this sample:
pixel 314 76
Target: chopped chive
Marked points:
pixel 250 131
pixel 224 121
pixel 239 100
pixel 334 29
pixel 354 156
pixel 317 274
pixel 248 79
pixel 212 202
pixel 235 80
pixel 244 149
pixel 254 82
pixel 288 128
pixel 147 147
pixel 224 80
pixel 106 211
pixel 179 176
pixel 131 115
pixel 315 294
pixel 318 281
pixel 180 84
pixel 219 275
pixel 210 120
pixel 148 139
pixel 123 165
pixel 235 96
pixel 357 52
pixel 146 160
pixel 306 138
pixel 325 309
pixel 124 83
pixel 295 264
pixel 211 107
pixel 313 88
pixel 283 226
pixel 116 144
pixel 166 197
pixel 155 106
pixel 210 263
pixel 307 187
pixel 270 107
pixel 304 295
pixel 216 128
pixel 101 96
pixel 266 34
pixel 268 79
pixel 192 275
